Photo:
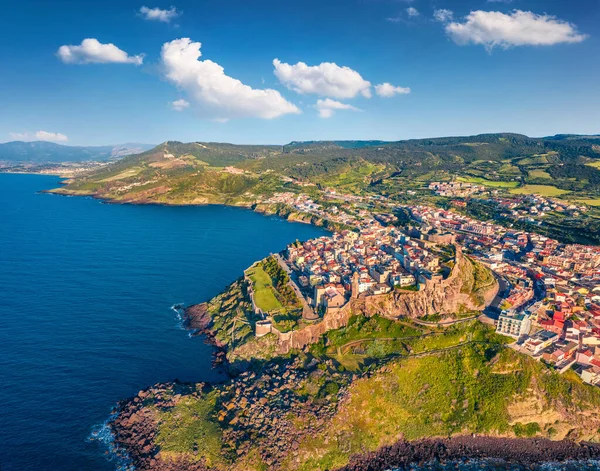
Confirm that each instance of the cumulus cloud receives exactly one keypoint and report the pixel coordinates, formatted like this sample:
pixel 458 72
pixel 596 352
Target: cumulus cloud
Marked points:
pixel 387 90
pixel 325 79
pixel 157 14
pixel 220 96
pixel 518 28
pixel 327 107
pixel 180 105
pixel 412 12
pixel 443 15
pixel 92 51
pixel 39 136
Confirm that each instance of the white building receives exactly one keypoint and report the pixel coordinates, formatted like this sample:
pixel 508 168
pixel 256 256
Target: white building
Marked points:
pixel 512 324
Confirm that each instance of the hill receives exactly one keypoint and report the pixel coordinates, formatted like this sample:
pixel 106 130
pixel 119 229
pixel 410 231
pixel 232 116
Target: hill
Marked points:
pixel 42 152
pixel 183 173
pixel 501 167
pixel 309 412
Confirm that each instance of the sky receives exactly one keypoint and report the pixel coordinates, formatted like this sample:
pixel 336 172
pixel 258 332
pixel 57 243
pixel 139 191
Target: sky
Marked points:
pixel 100 72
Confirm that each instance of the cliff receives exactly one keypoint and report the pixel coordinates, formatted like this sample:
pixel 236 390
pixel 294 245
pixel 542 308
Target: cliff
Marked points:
pixel 470 286
pixel 291 214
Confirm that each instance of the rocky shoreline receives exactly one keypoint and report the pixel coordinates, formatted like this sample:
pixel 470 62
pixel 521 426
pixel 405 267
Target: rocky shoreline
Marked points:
pixel 256 403
pixel 526 453
pixel 197 320
pixel 135 430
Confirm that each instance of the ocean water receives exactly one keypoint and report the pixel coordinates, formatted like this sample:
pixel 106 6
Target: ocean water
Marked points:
pixel 86 291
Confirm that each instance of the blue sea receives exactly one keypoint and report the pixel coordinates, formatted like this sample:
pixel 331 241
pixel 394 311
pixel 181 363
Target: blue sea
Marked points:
pixel 86 291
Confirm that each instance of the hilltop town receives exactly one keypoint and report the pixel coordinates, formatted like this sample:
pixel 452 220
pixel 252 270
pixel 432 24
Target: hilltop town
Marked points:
pixel 549 296
pixel 410 319
pixel 449 299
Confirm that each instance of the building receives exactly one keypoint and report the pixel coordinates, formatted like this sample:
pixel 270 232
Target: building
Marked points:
pixel 512 324
pixel 540 341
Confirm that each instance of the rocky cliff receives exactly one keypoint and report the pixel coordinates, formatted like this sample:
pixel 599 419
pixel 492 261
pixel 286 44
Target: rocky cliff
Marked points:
pixel 470 286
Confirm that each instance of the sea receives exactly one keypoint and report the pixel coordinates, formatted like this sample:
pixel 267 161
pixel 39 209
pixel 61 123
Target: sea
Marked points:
pixel 88 314
pixel 87 309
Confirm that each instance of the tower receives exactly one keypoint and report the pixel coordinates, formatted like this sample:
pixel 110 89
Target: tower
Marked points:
pixel 355 279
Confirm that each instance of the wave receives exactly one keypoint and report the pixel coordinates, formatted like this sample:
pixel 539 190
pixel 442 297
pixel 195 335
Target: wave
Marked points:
pixel 103 434
pixel 179 309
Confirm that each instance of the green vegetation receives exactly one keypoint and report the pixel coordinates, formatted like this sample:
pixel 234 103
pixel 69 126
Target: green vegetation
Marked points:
pixel 588 201
pixel 211 173
pixel 274 295
pixel 527 430
pixel 367 340
pixel 539 174
pixel 190 429
pixel 491 183
pixel 179 173
pixel 264 292
pixel 543 190
pixel 467 390
pixel 232 315
pixel 477 281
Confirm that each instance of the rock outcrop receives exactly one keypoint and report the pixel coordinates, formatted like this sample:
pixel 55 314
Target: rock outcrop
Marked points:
pixel 443 297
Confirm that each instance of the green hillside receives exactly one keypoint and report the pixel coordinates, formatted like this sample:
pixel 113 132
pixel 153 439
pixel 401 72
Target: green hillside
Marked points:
pixel 203 173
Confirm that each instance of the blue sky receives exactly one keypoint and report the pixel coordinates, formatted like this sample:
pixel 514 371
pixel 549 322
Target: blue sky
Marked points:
pixel 472 66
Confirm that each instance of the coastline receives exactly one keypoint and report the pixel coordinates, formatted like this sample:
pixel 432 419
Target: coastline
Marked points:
pixel 526 453
pixel 287 213
pixel 135 429
pixel 136 426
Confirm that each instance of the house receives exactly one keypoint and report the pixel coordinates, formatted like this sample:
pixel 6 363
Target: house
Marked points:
pixel 590 374
pixel 540 341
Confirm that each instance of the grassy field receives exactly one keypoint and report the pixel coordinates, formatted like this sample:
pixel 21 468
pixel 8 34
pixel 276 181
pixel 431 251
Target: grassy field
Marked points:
pixel 484 182
pixel 543 190
pixel 539 174
pixel 123 175
pixel 264 295
pixel 588 201
pixel 595 164
pixel 190 429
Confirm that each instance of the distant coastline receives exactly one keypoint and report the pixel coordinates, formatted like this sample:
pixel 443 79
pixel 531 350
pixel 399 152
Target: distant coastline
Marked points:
pixel 135 429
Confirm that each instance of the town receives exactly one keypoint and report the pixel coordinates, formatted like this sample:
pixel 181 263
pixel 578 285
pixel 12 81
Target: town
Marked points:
pixel 549 297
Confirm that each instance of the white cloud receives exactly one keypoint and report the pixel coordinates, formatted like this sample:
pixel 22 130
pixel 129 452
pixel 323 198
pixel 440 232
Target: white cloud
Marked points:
pixel 443 15
pixel 156 14
pixel 327 107
pixel 39 136
pixel 388 90
pixel 180 105
pixel 91 51
pixel 221 97
pixel 325 79
pixel 518 28
pixel 412 11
